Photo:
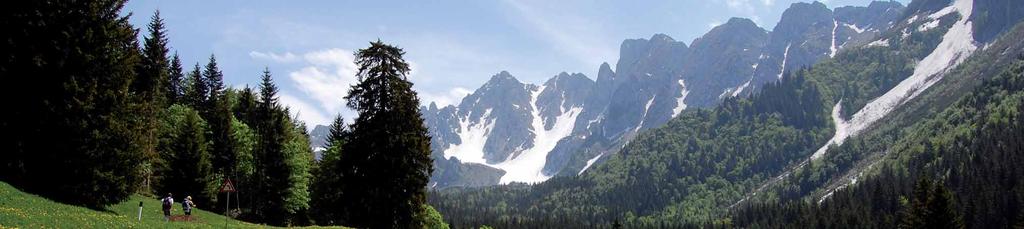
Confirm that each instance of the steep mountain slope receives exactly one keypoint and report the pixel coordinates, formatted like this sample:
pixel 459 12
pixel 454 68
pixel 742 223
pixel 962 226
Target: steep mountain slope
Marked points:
pixel 509 129
pixel 704 161
pixel 836 172
pixel 972 146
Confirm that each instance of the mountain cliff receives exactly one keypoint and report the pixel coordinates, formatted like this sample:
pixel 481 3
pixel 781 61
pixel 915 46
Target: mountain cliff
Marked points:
pixel 510 131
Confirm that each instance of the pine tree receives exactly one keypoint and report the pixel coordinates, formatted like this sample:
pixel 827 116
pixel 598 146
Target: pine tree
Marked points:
pixel 70 125
pixel 149 87
pixel 272 184
pixel 196 92
pixel 913 216
pixel 942 214
pixel 213 80
pixel 931 207
pixel 386 164
pixel 154 67
pixel 217 112
pixel 245 109
pixel 174 90
pixel 187 155
pixel 325 196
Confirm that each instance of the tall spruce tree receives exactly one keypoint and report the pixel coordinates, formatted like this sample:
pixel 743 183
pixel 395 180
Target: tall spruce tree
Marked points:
pixel 217 112
pixel 913 216
pixel 154 67
pixel 196 92
pixel 71 127
pixel 153 71
pixel 326 199
pixel 174 90
pixel 386 164
pixel 272 175
pixel 942 213
pixel 245 109
pixel 189 171
pixel 213 80
pixel 931 207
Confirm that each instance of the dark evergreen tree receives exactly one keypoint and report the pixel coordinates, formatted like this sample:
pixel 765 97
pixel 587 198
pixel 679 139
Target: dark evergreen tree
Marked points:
pixel 189 171
pixel 325 200
pixel 272 175
pixel 932 207
pixel 71 128
pixel 914 215
pixel 149 88
pixel 174 88
pixel 196 91
pixel 941 211
pixel 217 112
pixel 245 109
pixel 213 80
pixel 386 164
pixel 155 66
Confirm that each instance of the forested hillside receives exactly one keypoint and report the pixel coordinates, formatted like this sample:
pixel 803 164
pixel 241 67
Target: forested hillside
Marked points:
pixel 772 152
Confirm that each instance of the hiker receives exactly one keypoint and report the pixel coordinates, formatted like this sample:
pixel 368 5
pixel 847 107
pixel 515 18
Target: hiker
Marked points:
pixel 187 205
pixel 167 203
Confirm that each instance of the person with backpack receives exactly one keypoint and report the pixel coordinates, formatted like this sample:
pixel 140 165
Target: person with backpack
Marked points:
pixel 187 205
pixel 167 203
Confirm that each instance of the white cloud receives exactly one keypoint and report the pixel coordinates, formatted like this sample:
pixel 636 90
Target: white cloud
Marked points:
pixel 282 58
pixel 324 77
pixel 451 97
pixel 327 77
pixel 305 112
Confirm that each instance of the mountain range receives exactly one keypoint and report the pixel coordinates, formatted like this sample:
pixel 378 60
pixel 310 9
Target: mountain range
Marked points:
pixel 509 131
pixel 824 135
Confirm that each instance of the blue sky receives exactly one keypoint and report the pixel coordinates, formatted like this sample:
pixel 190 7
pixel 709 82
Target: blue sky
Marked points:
pixel 454 46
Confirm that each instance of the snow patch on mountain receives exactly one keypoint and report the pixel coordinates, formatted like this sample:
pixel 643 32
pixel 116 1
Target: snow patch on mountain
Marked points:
pixel 680 104
pixel 528 166
pixel 833 49
pixel 912 19
pixel 589 163
pixel 880 43
pixel 854 28
pixel 647 108
pixel 841 132
pixel 474 136
pixel 928 25
pixel 785 56
pixel 957 44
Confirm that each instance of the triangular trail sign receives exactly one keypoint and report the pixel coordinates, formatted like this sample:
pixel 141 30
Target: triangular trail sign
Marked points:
pixel 227 186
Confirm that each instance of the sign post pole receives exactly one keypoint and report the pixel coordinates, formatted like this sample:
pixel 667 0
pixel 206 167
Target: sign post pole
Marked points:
pixel 227 210
pixel 227 187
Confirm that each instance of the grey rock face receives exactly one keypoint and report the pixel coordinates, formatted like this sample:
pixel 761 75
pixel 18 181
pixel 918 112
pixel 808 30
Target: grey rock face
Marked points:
pixel 318 140
pixel 993 17
pixel 504 101
pixel 809 32
pixel 653 80
pixel 722 59
pixel 859 25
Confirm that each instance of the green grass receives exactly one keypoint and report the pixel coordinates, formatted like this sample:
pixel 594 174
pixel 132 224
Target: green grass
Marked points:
pixel 22 210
